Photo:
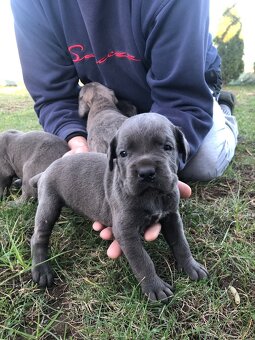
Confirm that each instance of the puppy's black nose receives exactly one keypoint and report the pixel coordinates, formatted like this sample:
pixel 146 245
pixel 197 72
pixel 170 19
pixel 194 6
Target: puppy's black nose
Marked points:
pixel 147 173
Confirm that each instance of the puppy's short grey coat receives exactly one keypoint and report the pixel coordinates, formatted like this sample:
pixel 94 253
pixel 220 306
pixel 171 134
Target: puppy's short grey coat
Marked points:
pixel 25 154
pixel 105 114
pixel 135 188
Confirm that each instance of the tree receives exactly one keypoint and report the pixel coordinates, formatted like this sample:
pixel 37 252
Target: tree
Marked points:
pixel 230 45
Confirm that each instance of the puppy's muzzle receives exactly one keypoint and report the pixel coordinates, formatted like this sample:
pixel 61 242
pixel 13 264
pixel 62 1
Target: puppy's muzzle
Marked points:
pixel 148 172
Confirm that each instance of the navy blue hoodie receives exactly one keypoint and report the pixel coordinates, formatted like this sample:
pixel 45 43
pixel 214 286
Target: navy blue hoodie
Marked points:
pixel 153 53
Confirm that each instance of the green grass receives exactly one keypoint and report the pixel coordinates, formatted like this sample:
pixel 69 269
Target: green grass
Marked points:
pixel 97 298
pixel 16 110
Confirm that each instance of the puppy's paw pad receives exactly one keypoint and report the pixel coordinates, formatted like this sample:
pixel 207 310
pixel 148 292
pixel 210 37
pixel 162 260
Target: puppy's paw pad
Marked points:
pixel 158 291
pixel 43 276
pixel 195 270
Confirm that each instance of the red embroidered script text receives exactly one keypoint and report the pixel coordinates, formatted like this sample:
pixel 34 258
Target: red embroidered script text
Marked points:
pixel 78 54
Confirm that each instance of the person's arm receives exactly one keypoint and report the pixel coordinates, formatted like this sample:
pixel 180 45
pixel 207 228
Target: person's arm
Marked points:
pixel 48 71
pixel 77 144
pixel 176 50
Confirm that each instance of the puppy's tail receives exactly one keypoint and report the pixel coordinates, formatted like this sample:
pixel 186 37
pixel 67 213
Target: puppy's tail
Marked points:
pixel 34 180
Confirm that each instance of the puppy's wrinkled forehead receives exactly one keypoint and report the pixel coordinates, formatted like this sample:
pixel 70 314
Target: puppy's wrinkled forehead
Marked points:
pixel 146 127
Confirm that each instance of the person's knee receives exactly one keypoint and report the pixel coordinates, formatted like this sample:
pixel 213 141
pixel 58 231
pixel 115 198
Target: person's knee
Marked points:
pixel 205 168
pixel 212 171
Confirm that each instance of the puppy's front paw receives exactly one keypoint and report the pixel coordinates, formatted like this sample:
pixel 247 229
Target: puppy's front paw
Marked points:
pixel 157 290
pixel 43 275
pixel 194 269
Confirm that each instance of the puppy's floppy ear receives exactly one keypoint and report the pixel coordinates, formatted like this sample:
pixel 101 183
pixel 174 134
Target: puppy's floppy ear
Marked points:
pixel 182 144
pixel 126 108
pixel 113 97
pixel 112 152
pixel 84 101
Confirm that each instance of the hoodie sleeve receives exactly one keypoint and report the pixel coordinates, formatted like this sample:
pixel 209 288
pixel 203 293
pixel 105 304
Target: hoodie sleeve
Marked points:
pixel 176 48
pixel 48 71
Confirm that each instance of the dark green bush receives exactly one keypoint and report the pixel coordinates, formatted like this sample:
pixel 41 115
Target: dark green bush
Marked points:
pixel 230 46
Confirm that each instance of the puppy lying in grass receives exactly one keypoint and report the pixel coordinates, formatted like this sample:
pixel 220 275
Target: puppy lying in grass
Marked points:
pixel 25 154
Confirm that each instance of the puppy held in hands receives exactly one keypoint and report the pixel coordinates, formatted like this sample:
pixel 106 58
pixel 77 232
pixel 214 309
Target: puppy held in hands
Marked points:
pixel 105 114
pixel 25 154
pixel 132 189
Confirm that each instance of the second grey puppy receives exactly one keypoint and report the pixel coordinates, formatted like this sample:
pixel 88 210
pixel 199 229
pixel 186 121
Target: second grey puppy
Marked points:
pixel 105 114
pixel 24 155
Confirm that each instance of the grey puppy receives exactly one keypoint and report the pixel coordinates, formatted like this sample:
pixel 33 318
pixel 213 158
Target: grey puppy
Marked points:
pixel 134 188
pixel 105 114
pixel 25 154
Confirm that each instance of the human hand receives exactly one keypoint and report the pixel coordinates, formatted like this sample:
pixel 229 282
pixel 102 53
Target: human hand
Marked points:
pixel 77 144
pixel 150 234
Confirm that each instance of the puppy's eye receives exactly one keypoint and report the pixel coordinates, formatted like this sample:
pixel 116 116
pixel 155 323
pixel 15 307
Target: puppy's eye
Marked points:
pixel 123 154
pixel 168 147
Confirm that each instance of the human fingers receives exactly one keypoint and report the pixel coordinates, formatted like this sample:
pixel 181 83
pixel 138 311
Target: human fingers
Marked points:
pixel 97 226
pixel 114 250
pixel 152 232
pixel 185 189
pixel 106 233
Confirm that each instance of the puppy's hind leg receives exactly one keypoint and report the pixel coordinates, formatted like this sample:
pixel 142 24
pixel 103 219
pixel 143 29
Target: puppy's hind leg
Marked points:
pixel 27 193
pixel 5 183
pixel 172 230
pixel 46 215
pixel 28 190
